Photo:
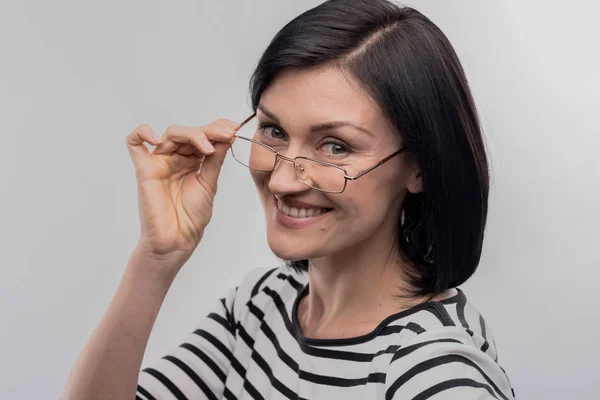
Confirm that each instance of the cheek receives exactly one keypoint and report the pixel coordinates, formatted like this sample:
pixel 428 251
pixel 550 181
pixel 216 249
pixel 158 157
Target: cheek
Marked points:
pixel 260 179
pixel 367 204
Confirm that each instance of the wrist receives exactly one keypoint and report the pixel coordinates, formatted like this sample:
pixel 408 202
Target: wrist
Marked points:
pixel 144 267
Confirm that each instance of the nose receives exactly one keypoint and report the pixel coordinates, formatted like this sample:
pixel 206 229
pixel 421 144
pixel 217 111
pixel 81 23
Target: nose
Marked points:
pixel 283 179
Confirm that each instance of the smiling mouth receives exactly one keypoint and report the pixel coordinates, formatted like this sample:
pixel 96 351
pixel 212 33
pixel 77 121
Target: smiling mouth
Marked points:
pixel 301 212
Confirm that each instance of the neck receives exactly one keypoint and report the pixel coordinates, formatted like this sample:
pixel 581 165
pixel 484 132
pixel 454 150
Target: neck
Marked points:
pixel 351 293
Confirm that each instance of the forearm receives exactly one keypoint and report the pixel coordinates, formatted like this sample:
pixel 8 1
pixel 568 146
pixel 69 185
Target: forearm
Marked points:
pixel 109 364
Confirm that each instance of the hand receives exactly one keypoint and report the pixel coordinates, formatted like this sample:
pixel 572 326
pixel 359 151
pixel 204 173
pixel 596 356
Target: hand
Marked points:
pixel 177 183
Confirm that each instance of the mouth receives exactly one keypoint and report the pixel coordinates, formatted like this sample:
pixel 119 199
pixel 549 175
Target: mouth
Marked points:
pixel 295 212
pixel 298 215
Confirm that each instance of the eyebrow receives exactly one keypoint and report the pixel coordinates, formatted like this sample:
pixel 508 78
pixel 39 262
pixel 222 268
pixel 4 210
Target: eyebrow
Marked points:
pixel 319 127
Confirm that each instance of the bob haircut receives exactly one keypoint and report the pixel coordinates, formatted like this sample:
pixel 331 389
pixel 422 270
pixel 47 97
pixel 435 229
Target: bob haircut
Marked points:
pixel 408 66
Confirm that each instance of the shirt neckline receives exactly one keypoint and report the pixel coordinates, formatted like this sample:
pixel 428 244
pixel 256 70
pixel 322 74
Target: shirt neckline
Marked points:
pixel 458 297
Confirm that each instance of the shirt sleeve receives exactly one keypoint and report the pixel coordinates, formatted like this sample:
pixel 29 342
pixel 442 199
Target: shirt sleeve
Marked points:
pixel 197 369
pixel 445 364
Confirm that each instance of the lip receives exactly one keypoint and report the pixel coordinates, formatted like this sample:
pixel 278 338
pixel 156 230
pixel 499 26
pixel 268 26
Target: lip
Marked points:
pixel 295 223
pixel 298 204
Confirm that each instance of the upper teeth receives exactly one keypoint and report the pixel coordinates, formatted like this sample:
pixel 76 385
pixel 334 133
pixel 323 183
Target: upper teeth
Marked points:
pixel 299 212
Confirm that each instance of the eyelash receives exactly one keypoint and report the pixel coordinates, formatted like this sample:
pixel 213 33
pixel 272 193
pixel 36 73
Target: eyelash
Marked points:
pixel 263 126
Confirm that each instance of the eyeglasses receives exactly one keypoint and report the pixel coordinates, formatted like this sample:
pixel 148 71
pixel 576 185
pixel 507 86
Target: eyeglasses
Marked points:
pixel 316 174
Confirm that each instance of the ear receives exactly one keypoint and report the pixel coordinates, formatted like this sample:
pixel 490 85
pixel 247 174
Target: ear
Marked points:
pixel 415 182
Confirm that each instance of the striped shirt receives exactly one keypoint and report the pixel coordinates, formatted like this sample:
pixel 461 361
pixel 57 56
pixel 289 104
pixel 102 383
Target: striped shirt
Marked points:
pixel 251 347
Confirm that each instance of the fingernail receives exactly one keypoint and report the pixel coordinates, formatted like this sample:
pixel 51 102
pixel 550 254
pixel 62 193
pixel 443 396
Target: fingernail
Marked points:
pixel 208 145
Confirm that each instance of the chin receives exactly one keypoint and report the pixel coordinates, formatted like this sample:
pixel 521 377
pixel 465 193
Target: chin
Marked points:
pixel 289 249
pixel 292 247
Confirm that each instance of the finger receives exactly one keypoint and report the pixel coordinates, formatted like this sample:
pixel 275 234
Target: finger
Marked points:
pixel 201 138
pixel 135 142
pixel 187 150
pixel 226 123
pixel 211 166
pixel 177 136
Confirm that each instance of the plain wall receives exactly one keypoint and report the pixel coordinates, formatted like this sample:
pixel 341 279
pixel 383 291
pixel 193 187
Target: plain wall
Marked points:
pixel 76 77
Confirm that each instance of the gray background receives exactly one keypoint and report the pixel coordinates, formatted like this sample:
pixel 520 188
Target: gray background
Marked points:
pixel 76 77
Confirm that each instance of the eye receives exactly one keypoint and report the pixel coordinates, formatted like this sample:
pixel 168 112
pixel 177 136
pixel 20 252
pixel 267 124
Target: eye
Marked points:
pixel 335 148
pixel 271 132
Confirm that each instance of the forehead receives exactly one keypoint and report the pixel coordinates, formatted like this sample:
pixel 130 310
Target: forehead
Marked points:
pixel 321 95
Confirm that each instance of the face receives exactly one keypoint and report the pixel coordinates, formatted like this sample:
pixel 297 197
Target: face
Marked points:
pixel 303 223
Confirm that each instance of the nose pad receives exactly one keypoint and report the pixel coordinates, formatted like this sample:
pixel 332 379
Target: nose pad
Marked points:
pixel 281 182
pixel 300 170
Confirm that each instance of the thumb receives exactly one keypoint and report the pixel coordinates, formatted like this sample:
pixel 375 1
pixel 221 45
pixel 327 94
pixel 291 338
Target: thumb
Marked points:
pixel 211 167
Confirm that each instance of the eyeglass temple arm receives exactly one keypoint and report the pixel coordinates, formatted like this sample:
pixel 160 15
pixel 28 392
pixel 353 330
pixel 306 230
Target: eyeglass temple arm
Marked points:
pixel 245 121
pixel 376 165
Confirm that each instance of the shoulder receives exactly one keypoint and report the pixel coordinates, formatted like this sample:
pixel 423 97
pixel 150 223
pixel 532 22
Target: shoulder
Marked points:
pixel 447 362
pixel 454 312
pixel 280 281
pixel 452 355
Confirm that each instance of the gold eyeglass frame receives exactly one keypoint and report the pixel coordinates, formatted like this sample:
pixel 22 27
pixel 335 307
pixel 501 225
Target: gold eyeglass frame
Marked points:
pixel 296 166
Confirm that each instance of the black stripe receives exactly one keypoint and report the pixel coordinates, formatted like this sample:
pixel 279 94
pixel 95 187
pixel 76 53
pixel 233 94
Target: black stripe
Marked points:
pixel 226 323
pixel 138 397
pixel 460 311
pixel 282 310
pixel 486 344
pixel 289 361
pixel 237 366
pixel 377 377
pixel 256 287
pixel 452 383
pixel 223 349
pixel 252 391
pixel 441 313
pixel 411 326
pixel 258 313
pixel 435 312
pixel 295 284
pixel 228 395
pixel 145 393
pixel 416 328
pixel 482 323
pixel 245 337
pixel 261 361
pixel 193 376
pixel 215 342
pixel 495 350
pixel 390 330
pixel 287 392
pixel 166 382
pixel 432 363
pixel 276 383
pixel 390 350
pixel 337 354
pixel 409 349
pixel 207 360
pixel 228 315
pixel 347 355
pixel 233 306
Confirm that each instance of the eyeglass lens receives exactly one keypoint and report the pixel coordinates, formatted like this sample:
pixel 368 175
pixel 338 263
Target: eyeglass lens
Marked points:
pixel 311 173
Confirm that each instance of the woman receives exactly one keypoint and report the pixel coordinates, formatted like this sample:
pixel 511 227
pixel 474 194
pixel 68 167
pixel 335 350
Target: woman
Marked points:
pixel 370 164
